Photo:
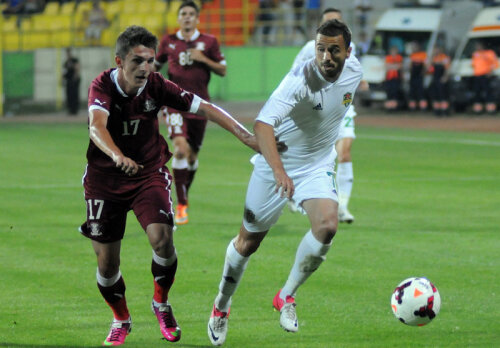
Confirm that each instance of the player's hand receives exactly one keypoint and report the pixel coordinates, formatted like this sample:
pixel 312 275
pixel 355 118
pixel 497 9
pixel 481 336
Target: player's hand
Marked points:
pixel 364 86
pixel 127 165
pixel 284 185
pixel 196 55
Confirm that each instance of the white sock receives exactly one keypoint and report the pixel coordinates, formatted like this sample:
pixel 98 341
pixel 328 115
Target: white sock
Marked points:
pixel 107 282
pixel 345 178
pixel 179 163
pixel 163 261
pixel 310 254
pixel 234 266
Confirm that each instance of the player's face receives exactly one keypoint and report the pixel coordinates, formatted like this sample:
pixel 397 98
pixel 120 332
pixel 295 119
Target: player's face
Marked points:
pixel 188 18
pixel 331 54
pixel 135 68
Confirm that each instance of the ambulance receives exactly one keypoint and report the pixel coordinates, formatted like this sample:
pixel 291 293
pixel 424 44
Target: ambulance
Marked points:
pixel 486 29
pixel 401 26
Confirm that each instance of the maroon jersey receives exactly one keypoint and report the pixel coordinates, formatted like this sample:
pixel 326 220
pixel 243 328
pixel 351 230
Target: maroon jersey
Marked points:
pixel 188 74
pixel 133 121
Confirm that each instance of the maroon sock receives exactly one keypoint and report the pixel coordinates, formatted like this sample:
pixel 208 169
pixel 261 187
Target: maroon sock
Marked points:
pixel 190 179
pixel 181 179
pixel 114 296
pixel 164 278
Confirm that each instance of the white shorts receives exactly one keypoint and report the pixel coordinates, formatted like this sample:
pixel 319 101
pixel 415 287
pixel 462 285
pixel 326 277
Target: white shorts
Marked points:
pixel 263 206
pixel 346 129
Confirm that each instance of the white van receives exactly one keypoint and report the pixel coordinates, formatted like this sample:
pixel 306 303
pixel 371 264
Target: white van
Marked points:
pixel 486 29
pixel 400 26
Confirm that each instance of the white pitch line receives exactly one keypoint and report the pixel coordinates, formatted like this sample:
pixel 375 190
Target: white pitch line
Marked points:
pixel 431 140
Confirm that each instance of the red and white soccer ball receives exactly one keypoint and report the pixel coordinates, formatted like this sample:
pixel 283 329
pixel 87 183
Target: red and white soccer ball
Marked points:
pixel 416 301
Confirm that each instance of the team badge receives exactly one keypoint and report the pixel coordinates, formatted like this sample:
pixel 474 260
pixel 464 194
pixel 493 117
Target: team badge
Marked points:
pixel 149 105
pixel 347 99
pixel 200 46
pixel 172 46
pixel 95 229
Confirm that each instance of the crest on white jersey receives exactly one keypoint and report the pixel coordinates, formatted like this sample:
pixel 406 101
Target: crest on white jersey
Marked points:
pixel 149 105
pixel 347 99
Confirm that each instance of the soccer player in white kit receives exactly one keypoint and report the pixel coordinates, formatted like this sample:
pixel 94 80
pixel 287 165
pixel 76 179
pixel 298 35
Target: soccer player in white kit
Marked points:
pixel 305 112
pixel 346 136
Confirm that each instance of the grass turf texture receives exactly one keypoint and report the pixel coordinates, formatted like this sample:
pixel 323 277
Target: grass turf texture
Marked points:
pixel 426 204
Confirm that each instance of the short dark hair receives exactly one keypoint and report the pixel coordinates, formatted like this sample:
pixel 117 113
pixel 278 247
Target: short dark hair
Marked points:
pixel 335 27
pixel 189 3
pixel 331 9
pixel 134 36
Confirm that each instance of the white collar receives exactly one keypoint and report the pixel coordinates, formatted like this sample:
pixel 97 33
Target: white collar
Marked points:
pixel 196 35
pixel 114 78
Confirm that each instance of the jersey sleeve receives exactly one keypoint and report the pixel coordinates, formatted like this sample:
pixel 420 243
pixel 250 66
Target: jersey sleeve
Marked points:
pixel 178 98
pixel 99 97
pixel 215 54
pixel 283 100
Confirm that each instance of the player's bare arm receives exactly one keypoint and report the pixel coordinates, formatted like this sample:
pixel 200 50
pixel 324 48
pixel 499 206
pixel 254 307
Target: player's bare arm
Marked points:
pixel 99 134
pixel 216 67
pixel 267 144
pixel 222 118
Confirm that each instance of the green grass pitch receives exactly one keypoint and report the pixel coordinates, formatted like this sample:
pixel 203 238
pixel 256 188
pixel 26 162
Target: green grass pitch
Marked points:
pixel 427 203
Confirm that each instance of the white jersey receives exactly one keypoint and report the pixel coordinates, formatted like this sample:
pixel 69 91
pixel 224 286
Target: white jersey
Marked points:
pixel 308 52
pixel 306 112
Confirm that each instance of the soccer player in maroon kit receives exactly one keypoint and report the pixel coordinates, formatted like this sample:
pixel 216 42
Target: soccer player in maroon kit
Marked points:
pixel 126 171
pixel 191 57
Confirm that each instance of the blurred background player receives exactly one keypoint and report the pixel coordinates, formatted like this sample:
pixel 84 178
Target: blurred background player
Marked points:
pixel 440 66
pixel 127 170
pixel 484 62
pixel 418 68
pixel 393 64
pixel 345 176
pixel 191 57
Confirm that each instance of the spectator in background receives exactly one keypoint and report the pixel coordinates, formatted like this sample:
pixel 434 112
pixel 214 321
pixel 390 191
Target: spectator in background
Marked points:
pixel 439 93
pixel 19 7
pixel 363 44
pixel 71 80
pixel 484 62
pixel 313 11
pixel 418 61
pixel 363 8
pixel 393 63
pixel 96 22
pixel 266 17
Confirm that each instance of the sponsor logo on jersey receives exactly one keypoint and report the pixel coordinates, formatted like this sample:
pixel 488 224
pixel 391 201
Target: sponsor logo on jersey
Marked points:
pixel 172 46
pixel 149 105
pixel 347 99
pixel 97 101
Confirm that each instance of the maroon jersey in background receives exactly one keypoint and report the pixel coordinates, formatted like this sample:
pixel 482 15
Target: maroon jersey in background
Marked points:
pixel 133 120
pixel 188 74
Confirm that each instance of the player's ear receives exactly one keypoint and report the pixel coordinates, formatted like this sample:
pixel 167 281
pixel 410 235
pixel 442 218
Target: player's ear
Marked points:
pixel 349 52
pixel 118 62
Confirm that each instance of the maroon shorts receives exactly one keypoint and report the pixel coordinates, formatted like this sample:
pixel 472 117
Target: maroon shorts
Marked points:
pixel 110 198
pixel 179 124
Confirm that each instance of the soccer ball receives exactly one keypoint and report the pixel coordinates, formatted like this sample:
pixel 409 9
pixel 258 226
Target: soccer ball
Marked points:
pixel 416 301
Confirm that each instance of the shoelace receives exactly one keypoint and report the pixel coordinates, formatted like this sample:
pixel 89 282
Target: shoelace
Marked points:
pixel 116 332
pixel 165 316
pixel 289 310
pixel 220 320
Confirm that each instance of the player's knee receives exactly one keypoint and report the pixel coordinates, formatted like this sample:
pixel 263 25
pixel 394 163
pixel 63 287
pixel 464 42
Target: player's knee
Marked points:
pixel 109 268
pixel 247 243
pixel 327 230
